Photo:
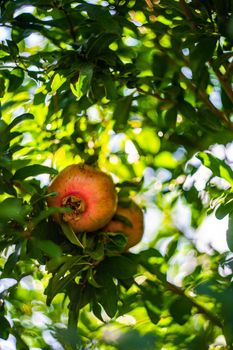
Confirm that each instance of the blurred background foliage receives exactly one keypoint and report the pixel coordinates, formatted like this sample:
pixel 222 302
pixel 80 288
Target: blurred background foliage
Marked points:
pixel 143 89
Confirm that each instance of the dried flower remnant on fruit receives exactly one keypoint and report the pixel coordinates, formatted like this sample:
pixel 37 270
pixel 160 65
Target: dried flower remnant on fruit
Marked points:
pixel 76 204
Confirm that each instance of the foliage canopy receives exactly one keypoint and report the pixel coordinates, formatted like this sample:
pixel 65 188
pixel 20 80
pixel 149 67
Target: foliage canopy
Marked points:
pixel 143 89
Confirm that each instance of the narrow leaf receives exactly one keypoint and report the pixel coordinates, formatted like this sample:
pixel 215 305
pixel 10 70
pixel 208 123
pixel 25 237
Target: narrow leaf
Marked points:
pixel 230 232
pixel 224 209
pixel 48 247
pixel 81 87
pixel 19 119
pixel 33 170
pixel 121 112
pixel 44 214
pixel 217 166
pixel 70 235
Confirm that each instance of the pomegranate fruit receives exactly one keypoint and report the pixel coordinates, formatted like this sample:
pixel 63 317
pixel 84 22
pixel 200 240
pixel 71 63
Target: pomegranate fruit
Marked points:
pixel 89 192
pixel 133 226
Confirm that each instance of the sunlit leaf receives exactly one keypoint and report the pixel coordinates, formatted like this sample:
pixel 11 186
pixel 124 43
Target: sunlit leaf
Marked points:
pixel 148 140
pixel 217 166
pixel 57 82
pixel 165 160
pixel 82 85
pixel 19 119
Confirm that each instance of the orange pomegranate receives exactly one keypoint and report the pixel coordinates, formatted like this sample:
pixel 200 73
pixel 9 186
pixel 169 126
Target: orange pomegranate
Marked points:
pixel 128 220
pixel 89 192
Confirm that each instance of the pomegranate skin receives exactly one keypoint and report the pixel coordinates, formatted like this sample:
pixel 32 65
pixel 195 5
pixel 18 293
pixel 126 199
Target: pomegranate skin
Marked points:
pixel 89 192
pixel 134 233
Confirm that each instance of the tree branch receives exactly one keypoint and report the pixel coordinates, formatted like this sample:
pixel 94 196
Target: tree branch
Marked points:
pixel 205 99
pixel 227 87
pixel 202 309
pixel 157 96
pixel 181 292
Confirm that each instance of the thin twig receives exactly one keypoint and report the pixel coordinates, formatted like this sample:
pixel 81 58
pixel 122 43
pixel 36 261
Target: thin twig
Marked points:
pixel 188 14
pixel 153 94
pixel 72 31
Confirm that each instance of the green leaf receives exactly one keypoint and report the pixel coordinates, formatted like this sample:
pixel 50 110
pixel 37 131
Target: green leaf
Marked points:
pixel 201 53
pixel 152 312
pixel 170 117
pixel 4 133
pixel 2 87
pixel 81 87
pixel 107 295
pixel 121 112
pixel 148 141
pixel 180 310
pixel 5 328
pixel 19 119
pixel 116 243
pixel 217 166
pixel 122 267
pixel 3 127
pixel 57 285
pixel 100 44
pixel 224 209
pixel 110 87
pixel 97 311
pixel 165 159
pixel 230 232
pixel 57 82
pixel 55 263
pixel 16 79
pixel 160 65
pixel 91 279
pixel 48 247
pixel 102 17
pixel 44 214
pixel 188 111
pixel 11 261
pixel 66 273
pixel 98 253
pixel 33 170
pixel 13 48
pixel 171 248
pixel 13 209
pixel 70 235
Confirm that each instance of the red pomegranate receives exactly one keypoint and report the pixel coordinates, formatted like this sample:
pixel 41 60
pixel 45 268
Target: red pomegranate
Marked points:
pixel 133 226
pixel 89 192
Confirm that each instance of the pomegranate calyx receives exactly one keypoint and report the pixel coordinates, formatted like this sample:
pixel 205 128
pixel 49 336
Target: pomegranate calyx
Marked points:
pixel 76 204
